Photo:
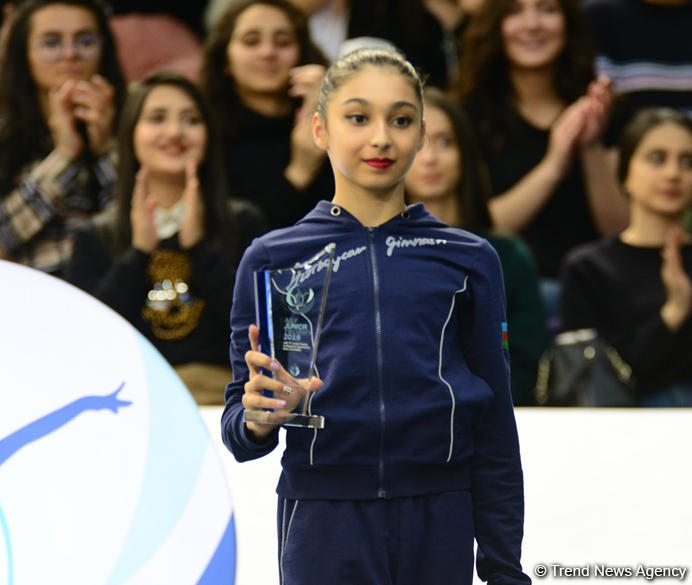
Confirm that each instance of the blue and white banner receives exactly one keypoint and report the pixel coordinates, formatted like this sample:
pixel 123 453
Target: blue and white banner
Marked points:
pixel 108 474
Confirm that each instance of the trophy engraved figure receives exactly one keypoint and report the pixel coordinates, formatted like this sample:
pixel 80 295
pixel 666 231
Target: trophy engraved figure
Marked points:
pixel 289 305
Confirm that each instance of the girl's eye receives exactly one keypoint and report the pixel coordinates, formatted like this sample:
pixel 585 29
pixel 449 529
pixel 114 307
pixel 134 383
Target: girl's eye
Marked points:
pixel 357 118
pixel 686 161
pixel 50 41
pixel 284 40
pixel 443 142
pixel 87 40
pixel 156 118
pixel 657 157
pixel 402 121
pixel 250 40
pixel 192 120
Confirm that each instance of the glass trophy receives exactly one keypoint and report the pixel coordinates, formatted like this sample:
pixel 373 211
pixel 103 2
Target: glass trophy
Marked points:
pixel 289 305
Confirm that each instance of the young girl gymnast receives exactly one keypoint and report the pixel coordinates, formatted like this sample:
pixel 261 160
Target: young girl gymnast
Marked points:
pixel 419 455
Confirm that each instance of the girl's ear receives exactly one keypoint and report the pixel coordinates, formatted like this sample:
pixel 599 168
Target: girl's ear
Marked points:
pixel 319 131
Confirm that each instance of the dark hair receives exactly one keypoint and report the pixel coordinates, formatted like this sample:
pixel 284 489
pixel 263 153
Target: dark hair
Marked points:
pixel 353 62
pixel 640 125
pixel 218 85
pixel 473 191
pixel 24 133
pixel 484 68
pixel 217 215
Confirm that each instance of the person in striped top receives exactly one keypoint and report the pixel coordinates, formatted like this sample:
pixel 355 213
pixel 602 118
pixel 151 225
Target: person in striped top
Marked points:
pixel 644 48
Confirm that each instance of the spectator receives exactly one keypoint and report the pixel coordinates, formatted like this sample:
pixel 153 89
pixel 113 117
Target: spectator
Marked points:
pixel 635 288
pixel 163 255
pixel 60 94
pixel 447 176
pixel 261 75
pixel 528 86
pixel 427 31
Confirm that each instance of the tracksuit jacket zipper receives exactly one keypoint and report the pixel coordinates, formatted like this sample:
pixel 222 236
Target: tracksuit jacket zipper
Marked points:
pixel 381 492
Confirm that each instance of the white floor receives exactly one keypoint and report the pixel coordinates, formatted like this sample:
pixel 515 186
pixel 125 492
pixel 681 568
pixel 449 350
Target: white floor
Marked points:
pixel 604 488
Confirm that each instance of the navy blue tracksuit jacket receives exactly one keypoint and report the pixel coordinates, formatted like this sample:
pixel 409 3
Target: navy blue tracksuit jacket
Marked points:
pixel 416 390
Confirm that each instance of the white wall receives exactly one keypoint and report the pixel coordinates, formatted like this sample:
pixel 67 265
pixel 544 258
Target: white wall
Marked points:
pixel 602 486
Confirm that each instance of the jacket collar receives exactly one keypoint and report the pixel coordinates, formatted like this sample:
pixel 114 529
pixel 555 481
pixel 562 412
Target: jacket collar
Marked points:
pixel 332 212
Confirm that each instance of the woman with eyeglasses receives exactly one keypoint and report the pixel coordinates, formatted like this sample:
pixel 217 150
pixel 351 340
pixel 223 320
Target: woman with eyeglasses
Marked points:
pixel 61 88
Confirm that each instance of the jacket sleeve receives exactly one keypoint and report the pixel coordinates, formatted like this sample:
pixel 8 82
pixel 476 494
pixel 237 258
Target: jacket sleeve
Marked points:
pixel 582 297
pixel 647 347
pixel 25 211
pixel 233 431
pixel 213 275
pixel 282 203
pixel 496 476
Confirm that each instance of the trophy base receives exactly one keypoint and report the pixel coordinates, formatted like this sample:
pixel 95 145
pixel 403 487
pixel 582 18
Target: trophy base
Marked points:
pixel 286 419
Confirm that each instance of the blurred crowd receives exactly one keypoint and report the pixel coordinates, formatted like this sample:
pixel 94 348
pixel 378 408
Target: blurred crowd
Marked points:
pixel 143 147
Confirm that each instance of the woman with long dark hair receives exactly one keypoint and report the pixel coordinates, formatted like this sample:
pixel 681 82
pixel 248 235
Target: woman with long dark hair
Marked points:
pixel 527 81
pixel 164 254
pixel 61 89
pixel 261 75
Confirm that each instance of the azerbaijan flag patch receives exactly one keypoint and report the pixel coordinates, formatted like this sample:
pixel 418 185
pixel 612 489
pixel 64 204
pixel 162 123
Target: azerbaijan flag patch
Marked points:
pixel 505 336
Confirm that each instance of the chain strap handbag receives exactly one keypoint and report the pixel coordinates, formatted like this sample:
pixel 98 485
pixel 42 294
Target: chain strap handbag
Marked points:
pixel 581 369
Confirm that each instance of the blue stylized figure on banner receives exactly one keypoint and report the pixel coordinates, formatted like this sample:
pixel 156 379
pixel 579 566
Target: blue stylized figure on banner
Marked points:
pixel 54 420
pixel 44 426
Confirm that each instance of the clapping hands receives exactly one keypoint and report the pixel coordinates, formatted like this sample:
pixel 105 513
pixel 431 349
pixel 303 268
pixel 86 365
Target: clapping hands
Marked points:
pixel 598 103
pixel 581 124
pixel 90 103
pixel 676 281
pixel 144 201
pixel 192 227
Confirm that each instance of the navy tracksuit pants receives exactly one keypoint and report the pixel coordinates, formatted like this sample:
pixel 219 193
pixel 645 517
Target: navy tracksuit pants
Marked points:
pixel 419 540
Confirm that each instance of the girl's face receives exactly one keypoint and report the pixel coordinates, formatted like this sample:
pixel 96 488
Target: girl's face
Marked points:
pixel 436 170
pixel 372 129
pixel 262 50
pixel 534 33
pixel 659 176
pixel 64 43
pixel 169 132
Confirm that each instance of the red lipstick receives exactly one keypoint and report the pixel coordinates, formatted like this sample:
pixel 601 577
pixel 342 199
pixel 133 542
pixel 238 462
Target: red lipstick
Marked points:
pixel 379 163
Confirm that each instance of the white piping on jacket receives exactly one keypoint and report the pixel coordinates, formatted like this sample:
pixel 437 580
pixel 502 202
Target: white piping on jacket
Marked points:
pixel 439 369
pixel 284 535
